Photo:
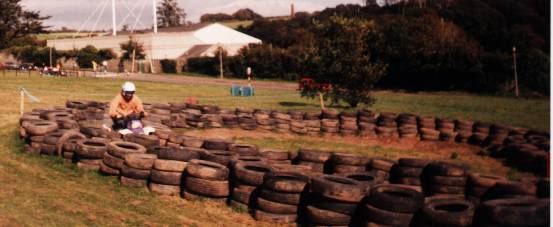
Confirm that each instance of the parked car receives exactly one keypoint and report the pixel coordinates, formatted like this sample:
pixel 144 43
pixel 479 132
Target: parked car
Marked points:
pixel 26 66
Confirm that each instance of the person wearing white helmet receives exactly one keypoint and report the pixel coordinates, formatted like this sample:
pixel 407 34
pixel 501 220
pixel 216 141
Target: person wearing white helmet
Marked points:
pixel 125 106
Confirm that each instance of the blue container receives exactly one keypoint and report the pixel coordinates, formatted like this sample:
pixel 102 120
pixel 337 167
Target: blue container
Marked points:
pixel 235 90
pixel 248 91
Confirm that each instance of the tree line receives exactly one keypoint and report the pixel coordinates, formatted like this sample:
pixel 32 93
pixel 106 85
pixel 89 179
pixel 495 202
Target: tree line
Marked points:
pixel 424 45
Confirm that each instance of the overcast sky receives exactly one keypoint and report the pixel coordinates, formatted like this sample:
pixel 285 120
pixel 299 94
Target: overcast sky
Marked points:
pixel 74 13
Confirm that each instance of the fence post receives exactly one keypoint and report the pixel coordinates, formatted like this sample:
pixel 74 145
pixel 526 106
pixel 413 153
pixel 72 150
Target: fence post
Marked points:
pixel 21 104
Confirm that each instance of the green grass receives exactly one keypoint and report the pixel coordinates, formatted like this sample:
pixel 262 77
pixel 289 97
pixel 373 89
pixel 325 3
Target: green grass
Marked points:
pixel 44 191
pixel 63 35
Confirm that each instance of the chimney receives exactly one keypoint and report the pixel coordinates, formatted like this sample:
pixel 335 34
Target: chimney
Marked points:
pixel 292 12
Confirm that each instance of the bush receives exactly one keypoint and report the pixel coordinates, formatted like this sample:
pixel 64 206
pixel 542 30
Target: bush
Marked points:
pixel 168 66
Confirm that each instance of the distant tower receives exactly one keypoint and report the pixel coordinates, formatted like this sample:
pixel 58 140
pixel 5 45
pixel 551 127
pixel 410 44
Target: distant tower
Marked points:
pixel 292 12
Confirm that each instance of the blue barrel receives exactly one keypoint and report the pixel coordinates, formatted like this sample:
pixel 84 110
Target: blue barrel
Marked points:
pixel 248 91
pixel 235 90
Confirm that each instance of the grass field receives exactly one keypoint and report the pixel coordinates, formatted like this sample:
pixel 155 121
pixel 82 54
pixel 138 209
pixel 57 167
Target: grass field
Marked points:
pixel 44 191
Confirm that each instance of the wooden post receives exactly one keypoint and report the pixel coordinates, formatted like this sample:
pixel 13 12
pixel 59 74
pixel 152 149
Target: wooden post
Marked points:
pixel 515 70
pixel 221 61
pixel 133 56
pixel 21 103
pixel 321 101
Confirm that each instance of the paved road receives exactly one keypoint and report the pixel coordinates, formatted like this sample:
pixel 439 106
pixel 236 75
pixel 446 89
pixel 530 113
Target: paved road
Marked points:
pixel 204 80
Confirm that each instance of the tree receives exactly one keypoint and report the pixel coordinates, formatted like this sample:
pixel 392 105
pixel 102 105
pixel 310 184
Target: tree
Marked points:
pixel 342 57
pixel 246 14
pixel 215 17
pixel 132 46
pixel 17 23
pixel 170 14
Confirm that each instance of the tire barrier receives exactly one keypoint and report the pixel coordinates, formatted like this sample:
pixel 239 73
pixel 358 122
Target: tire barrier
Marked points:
pixel 312 188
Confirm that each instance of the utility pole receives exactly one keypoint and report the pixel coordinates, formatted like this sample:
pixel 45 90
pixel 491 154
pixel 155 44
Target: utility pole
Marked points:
pixel 50 56
pixel 113 18
pixel 515 70
pixel 154 11
pixel 221 61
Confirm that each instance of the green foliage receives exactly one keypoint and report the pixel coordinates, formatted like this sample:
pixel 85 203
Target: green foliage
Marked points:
pixel 240 15
pixel 246 14
pixel 168 66
pixel 343 56
pixel 88 54
pixel 16 23
pixel 130 47
pixel 169 14
pixel 39 56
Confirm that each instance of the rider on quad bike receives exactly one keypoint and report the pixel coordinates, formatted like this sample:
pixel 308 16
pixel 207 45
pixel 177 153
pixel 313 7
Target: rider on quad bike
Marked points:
pixel 125 107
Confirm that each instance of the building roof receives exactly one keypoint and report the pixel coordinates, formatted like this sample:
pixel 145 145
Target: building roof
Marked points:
pixel 168 43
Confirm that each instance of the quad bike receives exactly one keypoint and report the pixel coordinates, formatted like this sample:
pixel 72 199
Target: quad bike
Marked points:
pixel 130 125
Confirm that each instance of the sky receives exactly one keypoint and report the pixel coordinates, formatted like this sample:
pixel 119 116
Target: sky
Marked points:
pixel 85 14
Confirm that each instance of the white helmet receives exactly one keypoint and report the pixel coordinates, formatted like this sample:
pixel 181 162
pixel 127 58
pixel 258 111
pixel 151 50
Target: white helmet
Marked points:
pixel 129 86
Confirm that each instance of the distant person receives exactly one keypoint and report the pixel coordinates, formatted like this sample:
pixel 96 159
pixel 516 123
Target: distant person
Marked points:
pixel 105 66
pixel 125 107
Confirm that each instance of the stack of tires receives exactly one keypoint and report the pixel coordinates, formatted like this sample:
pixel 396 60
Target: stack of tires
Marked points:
pixel 481 131
pixel 298 126
pixel 296 115
pixel 216 144
pixel 330 122
pixel 440 211
pixel 464 130
pixel 69 147
pixel 247 179
pixel 219 156
pixel 446 126
pixel 282 121
pixel 206 179
pixel 89 154
pixel 381 167
pixel 313 123
pixel 212 120
pixel 313 158
pixel 230 120
pixel 247 123
pixel 49 143
pixel 36 130
pixel 275 156
pixel 342 163
pixel 513 212
pixel 510 189
pixel 408 171
pixel 114 158
pixel 193 116
pixel 280 197
pixel 348 124
pixel 136 169
pixel 440 178
pixel 386 125
pixel 161 112
pixel 478 184
pixel 333 201
pixel 192 141
pixel 167 174
pixel 427 129
pixel 367 122
pixel 498 135
pixel 165 177
pixel 528 157
pixel 244 150
pixel 407 126
pixel 174 140
pixel 178 120
pixel 367 179
pixel 391 205
pixel 264 120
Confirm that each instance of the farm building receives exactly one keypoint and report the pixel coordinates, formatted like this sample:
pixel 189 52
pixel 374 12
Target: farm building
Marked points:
pixel 177 43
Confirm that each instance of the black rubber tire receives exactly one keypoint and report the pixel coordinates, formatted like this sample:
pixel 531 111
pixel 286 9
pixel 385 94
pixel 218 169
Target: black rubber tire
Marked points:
pixel 251 173
pixel 449 212
pixel 162 189
pixel 276 207
pixel 396 199
pixel 167 178
pixel 349 159
pixel 219 156
pixel 131 182
pixel 244 194
pixel 207 170
pixel 382 164
pixel 335 206
pixel 139 161
pixel 314 166
pixel 105 169
pixel 318 216
pixel 287 182
pixel 368 179
pixel 514 212
pixel 92 149
pixel 133 173
pixel 413 162
pixel 338 188
pixel 180 154
pixel 208 188
pixel 112 161
pixel 445 169
pixel 170 165
pixel 484 180
pixel 313 155
pixel 216 144
pixel 274 154
pixel 343 169
pixel 385 217
pixel 244 149
pixel 400 171
pixel 120 148
pixel 449 181
pixel 262 216
pixel 444 189
pixel 281 197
